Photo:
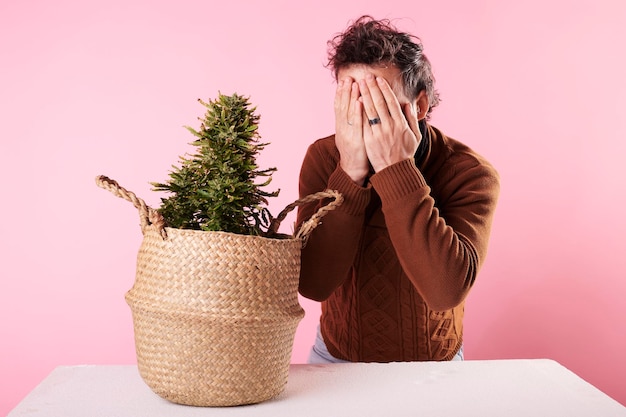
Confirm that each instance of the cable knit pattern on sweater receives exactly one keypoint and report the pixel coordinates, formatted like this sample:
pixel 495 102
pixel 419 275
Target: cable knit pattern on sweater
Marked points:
pixel 394 264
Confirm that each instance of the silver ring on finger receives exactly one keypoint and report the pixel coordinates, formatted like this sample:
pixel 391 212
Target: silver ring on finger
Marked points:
pixel 374 121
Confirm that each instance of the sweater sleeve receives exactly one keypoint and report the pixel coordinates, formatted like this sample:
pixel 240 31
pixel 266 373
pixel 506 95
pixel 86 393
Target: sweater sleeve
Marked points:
pixel 440 246
pixel 330 250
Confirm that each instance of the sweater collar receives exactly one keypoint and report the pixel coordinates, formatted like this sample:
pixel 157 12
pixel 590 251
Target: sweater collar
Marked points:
pixel 424 146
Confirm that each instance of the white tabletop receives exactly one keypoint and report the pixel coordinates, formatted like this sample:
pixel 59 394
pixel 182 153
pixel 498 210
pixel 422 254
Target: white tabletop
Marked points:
pixel 471 388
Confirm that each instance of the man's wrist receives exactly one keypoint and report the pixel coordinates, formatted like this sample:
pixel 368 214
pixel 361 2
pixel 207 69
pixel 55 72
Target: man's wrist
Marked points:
pixel 356 197
pixel 356 175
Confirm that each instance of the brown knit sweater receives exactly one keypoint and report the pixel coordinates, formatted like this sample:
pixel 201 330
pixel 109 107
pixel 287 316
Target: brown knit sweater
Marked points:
pixel 393 264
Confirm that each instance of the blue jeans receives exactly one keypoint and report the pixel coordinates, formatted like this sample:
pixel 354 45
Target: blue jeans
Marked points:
pixel 319 352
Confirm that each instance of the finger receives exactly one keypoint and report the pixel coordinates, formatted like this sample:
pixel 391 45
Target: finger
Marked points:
pixel 357 114
pixel 369 107
pixel 410 113
pixel 342 99
pixel 378 99
pixel 354 105
pixel 391 101
pixel 338 94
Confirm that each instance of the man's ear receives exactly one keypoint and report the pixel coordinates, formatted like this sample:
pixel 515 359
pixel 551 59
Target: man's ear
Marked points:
pixel 422 105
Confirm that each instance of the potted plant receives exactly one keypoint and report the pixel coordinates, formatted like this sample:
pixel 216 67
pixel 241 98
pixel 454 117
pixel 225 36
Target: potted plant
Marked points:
pixel 215 189
pixel 214 302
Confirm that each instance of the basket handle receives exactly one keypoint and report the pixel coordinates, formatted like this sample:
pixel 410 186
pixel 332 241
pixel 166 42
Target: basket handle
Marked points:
pixel 147 215
pixel 307 227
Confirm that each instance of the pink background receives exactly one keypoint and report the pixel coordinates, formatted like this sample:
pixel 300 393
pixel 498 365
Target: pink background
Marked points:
pixel 105 87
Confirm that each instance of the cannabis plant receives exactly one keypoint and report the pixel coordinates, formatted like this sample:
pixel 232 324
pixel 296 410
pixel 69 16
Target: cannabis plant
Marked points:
pixel 215 189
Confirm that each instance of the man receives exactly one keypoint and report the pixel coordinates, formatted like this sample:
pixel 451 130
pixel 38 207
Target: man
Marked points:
pixel 394 263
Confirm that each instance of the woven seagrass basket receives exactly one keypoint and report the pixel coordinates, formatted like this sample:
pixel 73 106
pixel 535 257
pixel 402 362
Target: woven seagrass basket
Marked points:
pixel 215 313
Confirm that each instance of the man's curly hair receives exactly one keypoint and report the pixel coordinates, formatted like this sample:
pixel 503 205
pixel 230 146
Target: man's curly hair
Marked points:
pixel 377 42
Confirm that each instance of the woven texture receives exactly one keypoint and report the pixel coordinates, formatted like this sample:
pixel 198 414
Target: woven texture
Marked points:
pixel 214 313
